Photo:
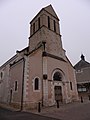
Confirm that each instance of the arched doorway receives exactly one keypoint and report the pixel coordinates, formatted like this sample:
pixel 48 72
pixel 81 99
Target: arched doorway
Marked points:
pixel 58 77
pixel 58 93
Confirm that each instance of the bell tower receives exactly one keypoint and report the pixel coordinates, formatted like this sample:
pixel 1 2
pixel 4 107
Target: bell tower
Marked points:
pixel 45 28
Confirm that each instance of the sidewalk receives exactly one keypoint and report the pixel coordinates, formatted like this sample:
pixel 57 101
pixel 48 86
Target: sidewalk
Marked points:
pixel 45 110
pixel 7 106
pixel 70 111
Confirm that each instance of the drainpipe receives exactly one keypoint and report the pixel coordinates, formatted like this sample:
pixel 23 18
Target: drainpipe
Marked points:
pixel 42 78
pixel 21 107
pixel 43 42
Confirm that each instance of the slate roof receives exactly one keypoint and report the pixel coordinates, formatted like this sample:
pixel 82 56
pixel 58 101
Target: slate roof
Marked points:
pixel 82 63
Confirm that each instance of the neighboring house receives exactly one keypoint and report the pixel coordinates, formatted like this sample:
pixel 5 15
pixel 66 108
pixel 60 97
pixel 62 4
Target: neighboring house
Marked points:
pixel 83 77
pixel 41 72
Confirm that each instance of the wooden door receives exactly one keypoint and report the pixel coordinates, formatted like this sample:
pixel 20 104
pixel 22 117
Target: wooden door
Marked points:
pixel 58 93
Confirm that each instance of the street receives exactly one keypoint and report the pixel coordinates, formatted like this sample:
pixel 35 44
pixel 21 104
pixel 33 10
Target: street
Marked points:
pixel 11 115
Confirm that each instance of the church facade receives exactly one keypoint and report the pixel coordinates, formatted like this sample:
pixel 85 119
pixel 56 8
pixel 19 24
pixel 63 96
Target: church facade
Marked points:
pixel 41 72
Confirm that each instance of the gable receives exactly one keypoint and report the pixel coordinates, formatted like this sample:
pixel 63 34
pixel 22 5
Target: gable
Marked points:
pixel 50 9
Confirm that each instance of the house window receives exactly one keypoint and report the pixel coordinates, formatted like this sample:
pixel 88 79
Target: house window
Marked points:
pixel 39 23
pixel 71 85
pixel 82 89
pixel 57 76
pixel 54 26
pixel 33 27
pixel 48 22
pixel 15 85
pixel 36 84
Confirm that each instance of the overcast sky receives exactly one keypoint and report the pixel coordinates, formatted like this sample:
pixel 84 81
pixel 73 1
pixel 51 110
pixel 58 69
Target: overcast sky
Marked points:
pixel 74 15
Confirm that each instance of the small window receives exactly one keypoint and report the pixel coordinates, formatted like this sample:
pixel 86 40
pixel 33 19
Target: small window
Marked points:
pixel 1 75
pixel 54 26
pixel 33 27
pixel 48 22
pixel 71 85
pixel 15 85
pixel 57 76
pixel 36 84
pixel 39 23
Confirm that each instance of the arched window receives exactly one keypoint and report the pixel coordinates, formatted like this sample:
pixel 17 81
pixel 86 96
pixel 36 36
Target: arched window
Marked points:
pixel 48 22
pixel 1 75
pixel 57 76
pixel 33 27
pixel 54 26
pixel 39 23
pixel 16 85
pixel 36 84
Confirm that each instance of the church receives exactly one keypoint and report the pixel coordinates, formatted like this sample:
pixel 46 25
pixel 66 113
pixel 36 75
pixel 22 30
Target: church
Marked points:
pixel 41 72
